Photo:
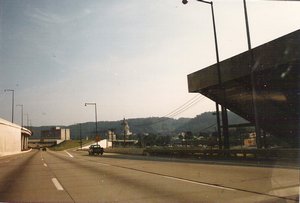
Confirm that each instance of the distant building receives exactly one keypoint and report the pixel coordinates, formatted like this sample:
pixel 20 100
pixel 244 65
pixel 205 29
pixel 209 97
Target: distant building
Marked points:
pixel 111 135
pixel 124 138
pixel 126 130
pixel 56 133
pixel 50 137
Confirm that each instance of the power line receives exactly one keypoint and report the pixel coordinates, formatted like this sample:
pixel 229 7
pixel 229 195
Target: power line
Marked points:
pixel 193 101
pixel 208 127
pixel 195 97
pixel 187 107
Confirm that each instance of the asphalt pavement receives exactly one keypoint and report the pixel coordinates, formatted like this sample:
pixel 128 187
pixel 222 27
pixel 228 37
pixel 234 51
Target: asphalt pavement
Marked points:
pixel 73 176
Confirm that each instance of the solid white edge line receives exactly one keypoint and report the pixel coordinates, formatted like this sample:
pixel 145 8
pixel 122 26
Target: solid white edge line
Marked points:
pixel 57 184
pixel 203 184
pixel 285 191
pixel 69 154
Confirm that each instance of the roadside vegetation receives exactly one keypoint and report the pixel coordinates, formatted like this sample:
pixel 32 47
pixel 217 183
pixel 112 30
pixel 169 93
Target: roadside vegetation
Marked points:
pixel 68 144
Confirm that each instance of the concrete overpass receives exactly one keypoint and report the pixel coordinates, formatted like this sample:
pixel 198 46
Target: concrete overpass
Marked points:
pixel 275 69
pixel 13 138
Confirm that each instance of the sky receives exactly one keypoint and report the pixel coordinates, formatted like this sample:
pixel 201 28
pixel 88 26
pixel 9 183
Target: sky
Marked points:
pixel 130 57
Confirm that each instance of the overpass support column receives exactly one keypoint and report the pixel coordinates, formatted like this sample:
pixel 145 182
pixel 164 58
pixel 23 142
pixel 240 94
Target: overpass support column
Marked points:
pixel 24 137
pixel 225 128
pixel 25 141
pixel 22 141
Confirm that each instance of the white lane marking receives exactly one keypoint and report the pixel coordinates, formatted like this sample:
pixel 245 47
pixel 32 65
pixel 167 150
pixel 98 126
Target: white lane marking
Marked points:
pixel 203 184
pixel 286 191
pixel 57 184
pixel 179 179
pixel 69 154
pixel 45 165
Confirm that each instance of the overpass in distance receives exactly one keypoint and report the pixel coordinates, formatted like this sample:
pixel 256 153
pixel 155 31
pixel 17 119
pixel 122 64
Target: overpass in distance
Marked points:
pixel 267 76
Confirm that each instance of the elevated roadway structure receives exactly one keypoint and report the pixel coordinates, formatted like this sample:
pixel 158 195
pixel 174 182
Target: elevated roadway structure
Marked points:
pixel 13 138
pixel 260 85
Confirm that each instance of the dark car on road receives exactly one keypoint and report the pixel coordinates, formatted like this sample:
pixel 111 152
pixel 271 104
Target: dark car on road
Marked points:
pixel 95 149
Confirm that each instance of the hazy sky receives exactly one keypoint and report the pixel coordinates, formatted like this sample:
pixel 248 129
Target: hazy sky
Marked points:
pixel 132 57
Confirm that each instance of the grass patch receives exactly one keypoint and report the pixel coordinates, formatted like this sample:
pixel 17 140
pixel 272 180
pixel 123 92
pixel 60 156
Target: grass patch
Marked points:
pixel 68 144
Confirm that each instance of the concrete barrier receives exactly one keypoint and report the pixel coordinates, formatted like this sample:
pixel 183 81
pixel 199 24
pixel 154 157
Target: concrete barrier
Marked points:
pixel 290 155
pixel 256 154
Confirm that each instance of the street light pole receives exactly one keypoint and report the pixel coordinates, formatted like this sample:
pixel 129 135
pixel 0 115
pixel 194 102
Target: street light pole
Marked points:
pixel 27 119
pixel 223 109
pixel 80 136
pixel 13 101
pixel 252 74
pixel 21 105
pixel 86 104
pixel 247 25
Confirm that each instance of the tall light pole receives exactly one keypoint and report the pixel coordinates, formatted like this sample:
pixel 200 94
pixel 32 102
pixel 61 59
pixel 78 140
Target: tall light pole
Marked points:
pixel 13 101
pixel 21 105
pixel 27 119
pixel 247 25
pixel 80 137
pixel 93 103
pixel 223 108
pixel 252 75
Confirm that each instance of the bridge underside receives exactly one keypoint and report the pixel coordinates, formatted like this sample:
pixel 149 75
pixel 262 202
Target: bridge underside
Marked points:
pixel 269 80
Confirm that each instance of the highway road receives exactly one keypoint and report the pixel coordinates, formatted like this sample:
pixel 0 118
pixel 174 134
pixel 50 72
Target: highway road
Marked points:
pixel 73 176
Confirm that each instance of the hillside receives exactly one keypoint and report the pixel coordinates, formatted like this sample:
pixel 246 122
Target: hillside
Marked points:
pixel 206 122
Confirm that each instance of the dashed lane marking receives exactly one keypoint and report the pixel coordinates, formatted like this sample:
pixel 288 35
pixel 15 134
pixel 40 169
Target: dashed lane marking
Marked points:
pixel 45 165
pixel 57 184
pixel 69 154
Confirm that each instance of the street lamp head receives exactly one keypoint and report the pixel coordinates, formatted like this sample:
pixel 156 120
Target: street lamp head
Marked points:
pixel 90 103
pixel 184 1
